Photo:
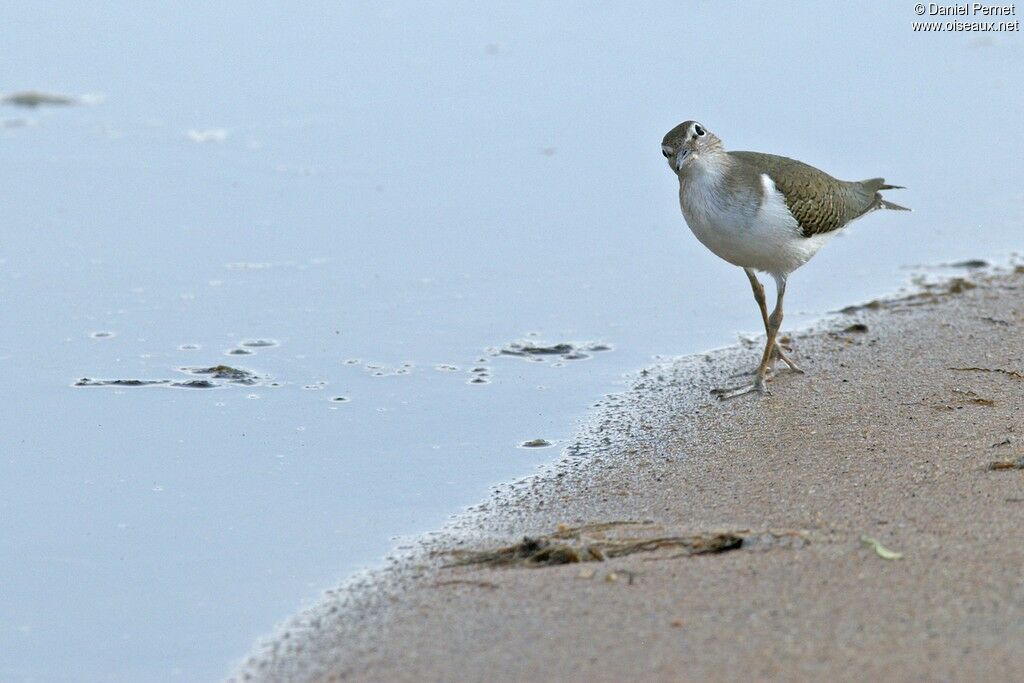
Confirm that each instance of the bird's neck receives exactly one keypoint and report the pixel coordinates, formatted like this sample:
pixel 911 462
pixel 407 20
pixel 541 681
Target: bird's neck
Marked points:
pixel 707 170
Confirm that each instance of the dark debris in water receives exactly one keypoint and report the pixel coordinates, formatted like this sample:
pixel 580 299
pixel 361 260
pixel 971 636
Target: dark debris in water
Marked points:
pixel 535 443
pixel 259 343
pixel 533 351
pixel 479 375
pixel 184 384
pixel 195 384
pixel 227 373
pixel 589 543
pixel 37 98
pixel 215 376
pixel 89 382
pixel 874 304
pixel 970 263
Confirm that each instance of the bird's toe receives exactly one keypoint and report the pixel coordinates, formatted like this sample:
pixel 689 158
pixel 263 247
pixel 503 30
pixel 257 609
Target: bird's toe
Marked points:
pixel 725 394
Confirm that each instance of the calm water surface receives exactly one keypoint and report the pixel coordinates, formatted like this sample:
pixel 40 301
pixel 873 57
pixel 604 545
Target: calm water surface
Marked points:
pixel 386 192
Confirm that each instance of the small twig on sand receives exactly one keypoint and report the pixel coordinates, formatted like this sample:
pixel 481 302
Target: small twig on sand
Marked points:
pixel 1010 373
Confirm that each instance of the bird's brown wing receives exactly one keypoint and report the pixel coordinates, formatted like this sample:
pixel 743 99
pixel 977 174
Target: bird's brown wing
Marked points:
pixel 818 202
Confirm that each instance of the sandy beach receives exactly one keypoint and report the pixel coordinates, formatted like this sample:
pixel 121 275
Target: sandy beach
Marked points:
pixel 861 523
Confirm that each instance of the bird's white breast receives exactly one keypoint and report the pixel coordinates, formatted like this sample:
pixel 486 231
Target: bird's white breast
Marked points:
pixel 753 230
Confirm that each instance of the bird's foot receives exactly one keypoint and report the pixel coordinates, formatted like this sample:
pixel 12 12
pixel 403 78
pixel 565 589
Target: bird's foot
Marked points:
pixel 778 354
pixel 758 386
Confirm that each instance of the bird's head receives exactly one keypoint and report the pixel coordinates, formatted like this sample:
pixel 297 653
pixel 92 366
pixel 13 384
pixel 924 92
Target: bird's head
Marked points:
pixel 688 142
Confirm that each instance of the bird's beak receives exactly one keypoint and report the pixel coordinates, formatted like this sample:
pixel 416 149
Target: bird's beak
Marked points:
pixel 680 155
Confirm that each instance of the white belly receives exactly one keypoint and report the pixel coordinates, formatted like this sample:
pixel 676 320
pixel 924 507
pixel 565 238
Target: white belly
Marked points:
pixel 765 238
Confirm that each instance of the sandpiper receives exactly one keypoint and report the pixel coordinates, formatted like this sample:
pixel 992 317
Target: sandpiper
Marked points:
pixel 762 212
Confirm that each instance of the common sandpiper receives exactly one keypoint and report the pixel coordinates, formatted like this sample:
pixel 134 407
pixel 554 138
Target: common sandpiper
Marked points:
pixel 764 213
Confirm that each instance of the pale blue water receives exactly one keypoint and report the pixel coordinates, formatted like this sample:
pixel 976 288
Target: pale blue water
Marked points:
pixel 398 184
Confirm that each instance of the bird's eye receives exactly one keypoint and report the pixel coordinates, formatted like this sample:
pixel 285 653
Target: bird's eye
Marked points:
pixel 698 130
pixel 665 153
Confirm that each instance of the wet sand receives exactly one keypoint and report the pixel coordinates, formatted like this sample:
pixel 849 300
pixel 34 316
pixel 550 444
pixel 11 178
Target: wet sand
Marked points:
pixel 890 435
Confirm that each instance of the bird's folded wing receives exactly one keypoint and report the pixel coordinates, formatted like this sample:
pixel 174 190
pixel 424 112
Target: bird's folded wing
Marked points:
pixel 818 202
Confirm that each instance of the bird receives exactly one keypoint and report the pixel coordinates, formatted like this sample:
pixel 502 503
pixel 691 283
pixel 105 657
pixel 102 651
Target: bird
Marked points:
pixel 763 213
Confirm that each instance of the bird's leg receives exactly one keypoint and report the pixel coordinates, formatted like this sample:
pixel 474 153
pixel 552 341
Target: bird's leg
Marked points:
pixel 772 324
pixel 758 288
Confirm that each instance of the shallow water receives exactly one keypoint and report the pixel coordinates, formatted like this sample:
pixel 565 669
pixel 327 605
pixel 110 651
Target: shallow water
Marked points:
pixel 389 195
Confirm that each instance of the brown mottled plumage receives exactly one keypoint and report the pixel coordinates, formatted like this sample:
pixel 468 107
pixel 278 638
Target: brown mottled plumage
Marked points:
pixel 819 202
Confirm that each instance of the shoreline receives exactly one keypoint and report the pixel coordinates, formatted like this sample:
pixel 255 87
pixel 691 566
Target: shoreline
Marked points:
pixel 669 460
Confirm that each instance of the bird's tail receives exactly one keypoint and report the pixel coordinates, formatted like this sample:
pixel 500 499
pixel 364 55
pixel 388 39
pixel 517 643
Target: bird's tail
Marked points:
pixel 875 185
pixel 882 204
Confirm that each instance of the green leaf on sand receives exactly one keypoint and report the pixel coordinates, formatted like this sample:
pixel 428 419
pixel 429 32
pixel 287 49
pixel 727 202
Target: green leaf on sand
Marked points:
pixel 880 549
